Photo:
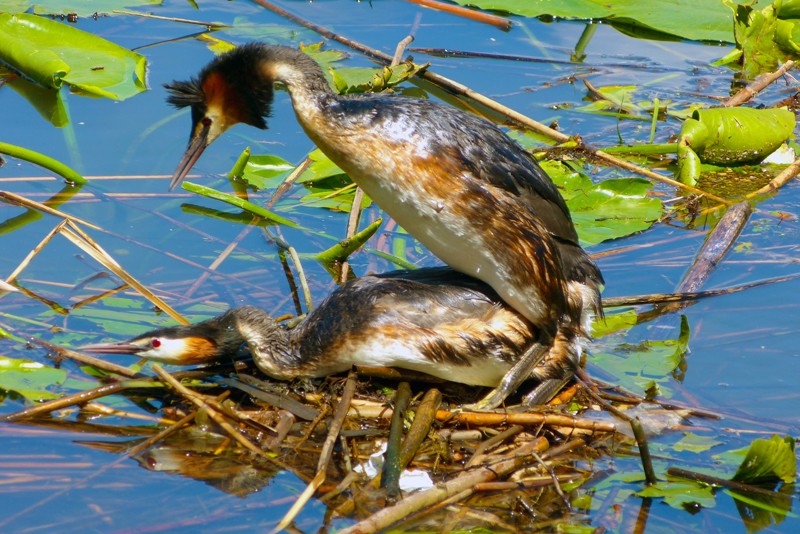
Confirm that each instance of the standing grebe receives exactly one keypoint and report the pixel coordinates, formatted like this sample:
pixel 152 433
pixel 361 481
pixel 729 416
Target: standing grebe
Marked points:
pixel 434 320
pixel 454 181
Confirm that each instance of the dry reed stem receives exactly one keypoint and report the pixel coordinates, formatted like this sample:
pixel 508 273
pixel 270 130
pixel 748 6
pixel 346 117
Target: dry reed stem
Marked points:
pixel 13 198
pixel 461 485
pixel 38 248
pixel 478 16
pixel 92 248
pixel 216 416
pixel 325 455
pixel 758 85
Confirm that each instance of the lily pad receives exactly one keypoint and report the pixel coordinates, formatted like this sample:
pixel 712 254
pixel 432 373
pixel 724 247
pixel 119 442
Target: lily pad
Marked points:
pixel 608 210
pixel 29 379
pixel 710 19
pixel 680 494
pixel 694 443
pixel 768 461
pixel 82 8
pixel 51 54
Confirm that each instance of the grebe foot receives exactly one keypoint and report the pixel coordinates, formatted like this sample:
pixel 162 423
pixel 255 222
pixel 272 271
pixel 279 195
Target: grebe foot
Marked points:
pixel 545 391
pixel 513 378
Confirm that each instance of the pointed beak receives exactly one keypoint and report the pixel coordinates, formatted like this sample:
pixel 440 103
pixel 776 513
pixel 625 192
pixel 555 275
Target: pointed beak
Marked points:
pixel 197 144
pixel 112 348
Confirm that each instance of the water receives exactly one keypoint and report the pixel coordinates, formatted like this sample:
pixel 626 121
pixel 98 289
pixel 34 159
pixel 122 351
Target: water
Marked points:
pixel 744 356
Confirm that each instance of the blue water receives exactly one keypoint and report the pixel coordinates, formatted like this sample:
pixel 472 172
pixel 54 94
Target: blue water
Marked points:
pixel 743 360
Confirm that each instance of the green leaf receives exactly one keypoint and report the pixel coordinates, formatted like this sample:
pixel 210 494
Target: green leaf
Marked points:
pixel 321 167
pixel 266 171
pixel 644 366
pixel 29 379
pixel 730 136
pixel 49 103
pixel 608 210
pixel 768 461
pixel 694 443
pixel 353 80
pixel 51 53
pixel 710 20
pixel 239 203
pixel 343 249
pixel 82 8
pixel 681 493
pixel 614 322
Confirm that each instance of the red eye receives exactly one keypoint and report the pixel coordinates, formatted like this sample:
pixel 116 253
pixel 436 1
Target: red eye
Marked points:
pixel 155 343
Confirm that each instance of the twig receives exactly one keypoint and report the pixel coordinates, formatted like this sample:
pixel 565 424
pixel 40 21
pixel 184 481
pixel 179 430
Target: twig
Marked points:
pixel 717 244
pixel 209 25
pixel 478 16
pixel 288 182
pixel 213 414
pixel 38 248
pixel 13 198
pixel 655 298
pixel 78 398
pixel 731 484
pixel 644 451
pixel 785 175
pixel 62 352
pixel 325 455
pixel 462 485
pixel 485 445
pixel 636 427
pixel 400 49
pixel 497 418
pixel 424 417
pixel 278 401
pixel 758 85
pixel 79 238
pixel 390 476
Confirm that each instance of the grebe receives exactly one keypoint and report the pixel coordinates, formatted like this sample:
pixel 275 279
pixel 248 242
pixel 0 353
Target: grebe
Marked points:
pixel 433 320
pixel 453 180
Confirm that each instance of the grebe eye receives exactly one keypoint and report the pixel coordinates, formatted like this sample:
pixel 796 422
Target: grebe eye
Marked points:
pixel 155 343
pixel 206 121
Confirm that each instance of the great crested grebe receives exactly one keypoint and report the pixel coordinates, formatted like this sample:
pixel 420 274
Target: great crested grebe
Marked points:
pixel 433 320
pixel 453 180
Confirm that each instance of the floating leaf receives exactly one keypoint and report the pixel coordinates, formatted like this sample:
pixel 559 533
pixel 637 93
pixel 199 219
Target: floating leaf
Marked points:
pixel 680 494
pixel 29 379
pixel 644 366
pixel 764 37
pixel 355 80
pixel 768 461
pixel 81 8
pixel 51 53
pixel 614 322
pixel 694 443
pixel 710 20
pixel 608 210
pixel 266 171
pixel 730 136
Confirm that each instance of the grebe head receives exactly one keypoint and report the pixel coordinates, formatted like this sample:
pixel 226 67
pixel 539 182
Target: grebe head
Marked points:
pixel 182 345
pixel 231 89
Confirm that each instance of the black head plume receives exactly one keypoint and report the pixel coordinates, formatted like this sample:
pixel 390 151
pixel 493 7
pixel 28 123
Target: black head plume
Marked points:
pixel 237 79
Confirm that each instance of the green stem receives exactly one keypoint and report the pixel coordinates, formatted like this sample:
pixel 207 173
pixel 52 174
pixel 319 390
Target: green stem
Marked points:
pixel 644 150
pixel 43 161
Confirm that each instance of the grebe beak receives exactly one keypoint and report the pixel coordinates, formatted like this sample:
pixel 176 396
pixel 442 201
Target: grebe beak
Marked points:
pixel 197 144
pixel 113 348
